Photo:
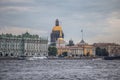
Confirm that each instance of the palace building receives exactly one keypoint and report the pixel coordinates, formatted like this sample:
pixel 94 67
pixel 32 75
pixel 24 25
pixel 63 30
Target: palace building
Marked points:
pixel 23 45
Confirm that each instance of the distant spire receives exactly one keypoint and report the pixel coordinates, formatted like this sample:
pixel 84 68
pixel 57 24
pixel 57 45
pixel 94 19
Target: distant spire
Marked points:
pixel 57 22
pixel 82 33
pixel 82 41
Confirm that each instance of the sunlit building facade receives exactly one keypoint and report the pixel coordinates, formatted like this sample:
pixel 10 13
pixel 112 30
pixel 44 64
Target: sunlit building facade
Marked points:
pixel 78 50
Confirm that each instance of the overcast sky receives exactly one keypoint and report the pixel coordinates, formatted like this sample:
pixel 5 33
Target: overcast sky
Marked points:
pixel 99 19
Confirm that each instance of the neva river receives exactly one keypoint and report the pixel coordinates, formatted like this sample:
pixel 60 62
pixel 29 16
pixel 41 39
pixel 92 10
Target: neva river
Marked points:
pixel 60 70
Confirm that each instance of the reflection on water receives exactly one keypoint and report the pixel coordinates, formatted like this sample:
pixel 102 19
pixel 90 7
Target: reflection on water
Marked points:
pixel 59 70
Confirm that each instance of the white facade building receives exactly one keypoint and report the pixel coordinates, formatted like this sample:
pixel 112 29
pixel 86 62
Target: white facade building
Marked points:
pixel 15 47
pixel 114 50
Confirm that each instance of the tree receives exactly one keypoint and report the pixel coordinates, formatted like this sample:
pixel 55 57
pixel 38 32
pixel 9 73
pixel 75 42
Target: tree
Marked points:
pixel 64 54
pixel 104 52
pixel 98 51
pixel 52 51
pixel 53 44
pixel 101 52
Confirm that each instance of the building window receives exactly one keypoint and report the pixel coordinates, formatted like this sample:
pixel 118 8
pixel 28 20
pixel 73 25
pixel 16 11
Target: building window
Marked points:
pixel 11 54
pixel 44 54
pixel 26 54
pixel 1 54
pixel 6 55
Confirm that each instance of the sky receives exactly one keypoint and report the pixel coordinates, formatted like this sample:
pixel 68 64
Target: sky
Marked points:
pixel 99 19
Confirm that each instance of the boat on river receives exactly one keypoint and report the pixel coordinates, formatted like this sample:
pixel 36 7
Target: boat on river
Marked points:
pixel 36 57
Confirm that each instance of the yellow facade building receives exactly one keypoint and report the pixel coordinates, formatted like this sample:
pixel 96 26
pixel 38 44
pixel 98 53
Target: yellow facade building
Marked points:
pixel 77 50
pixel 89 50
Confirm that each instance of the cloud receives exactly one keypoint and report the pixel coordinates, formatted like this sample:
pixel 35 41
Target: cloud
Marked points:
pixel 7 6
pixel 19 30
pixel 16 1
pixel 111 31
pixel 15 9
pixel 98 19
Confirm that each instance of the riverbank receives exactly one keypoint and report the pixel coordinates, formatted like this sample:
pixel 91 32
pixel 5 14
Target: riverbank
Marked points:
pixel 62 58
pixel 51 58
pixel 112 58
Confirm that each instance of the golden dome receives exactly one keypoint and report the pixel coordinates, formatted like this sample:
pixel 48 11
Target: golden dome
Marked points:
pixel 57 28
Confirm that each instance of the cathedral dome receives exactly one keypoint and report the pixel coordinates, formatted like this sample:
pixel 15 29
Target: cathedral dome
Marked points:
pixel 57 32
pixel 57 28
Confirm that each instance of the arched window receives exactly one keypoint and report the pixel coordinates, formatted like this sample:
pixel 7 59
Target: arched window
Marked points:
pixel 1 54
pixel 11 54
pixel 26 54
pixel 6 55
pixel 76 55
pixel 88 53
pixel 44 54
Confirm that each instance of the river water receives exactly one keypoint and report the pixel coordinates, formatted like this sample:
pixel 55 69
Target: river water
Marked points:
pixel 60 70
